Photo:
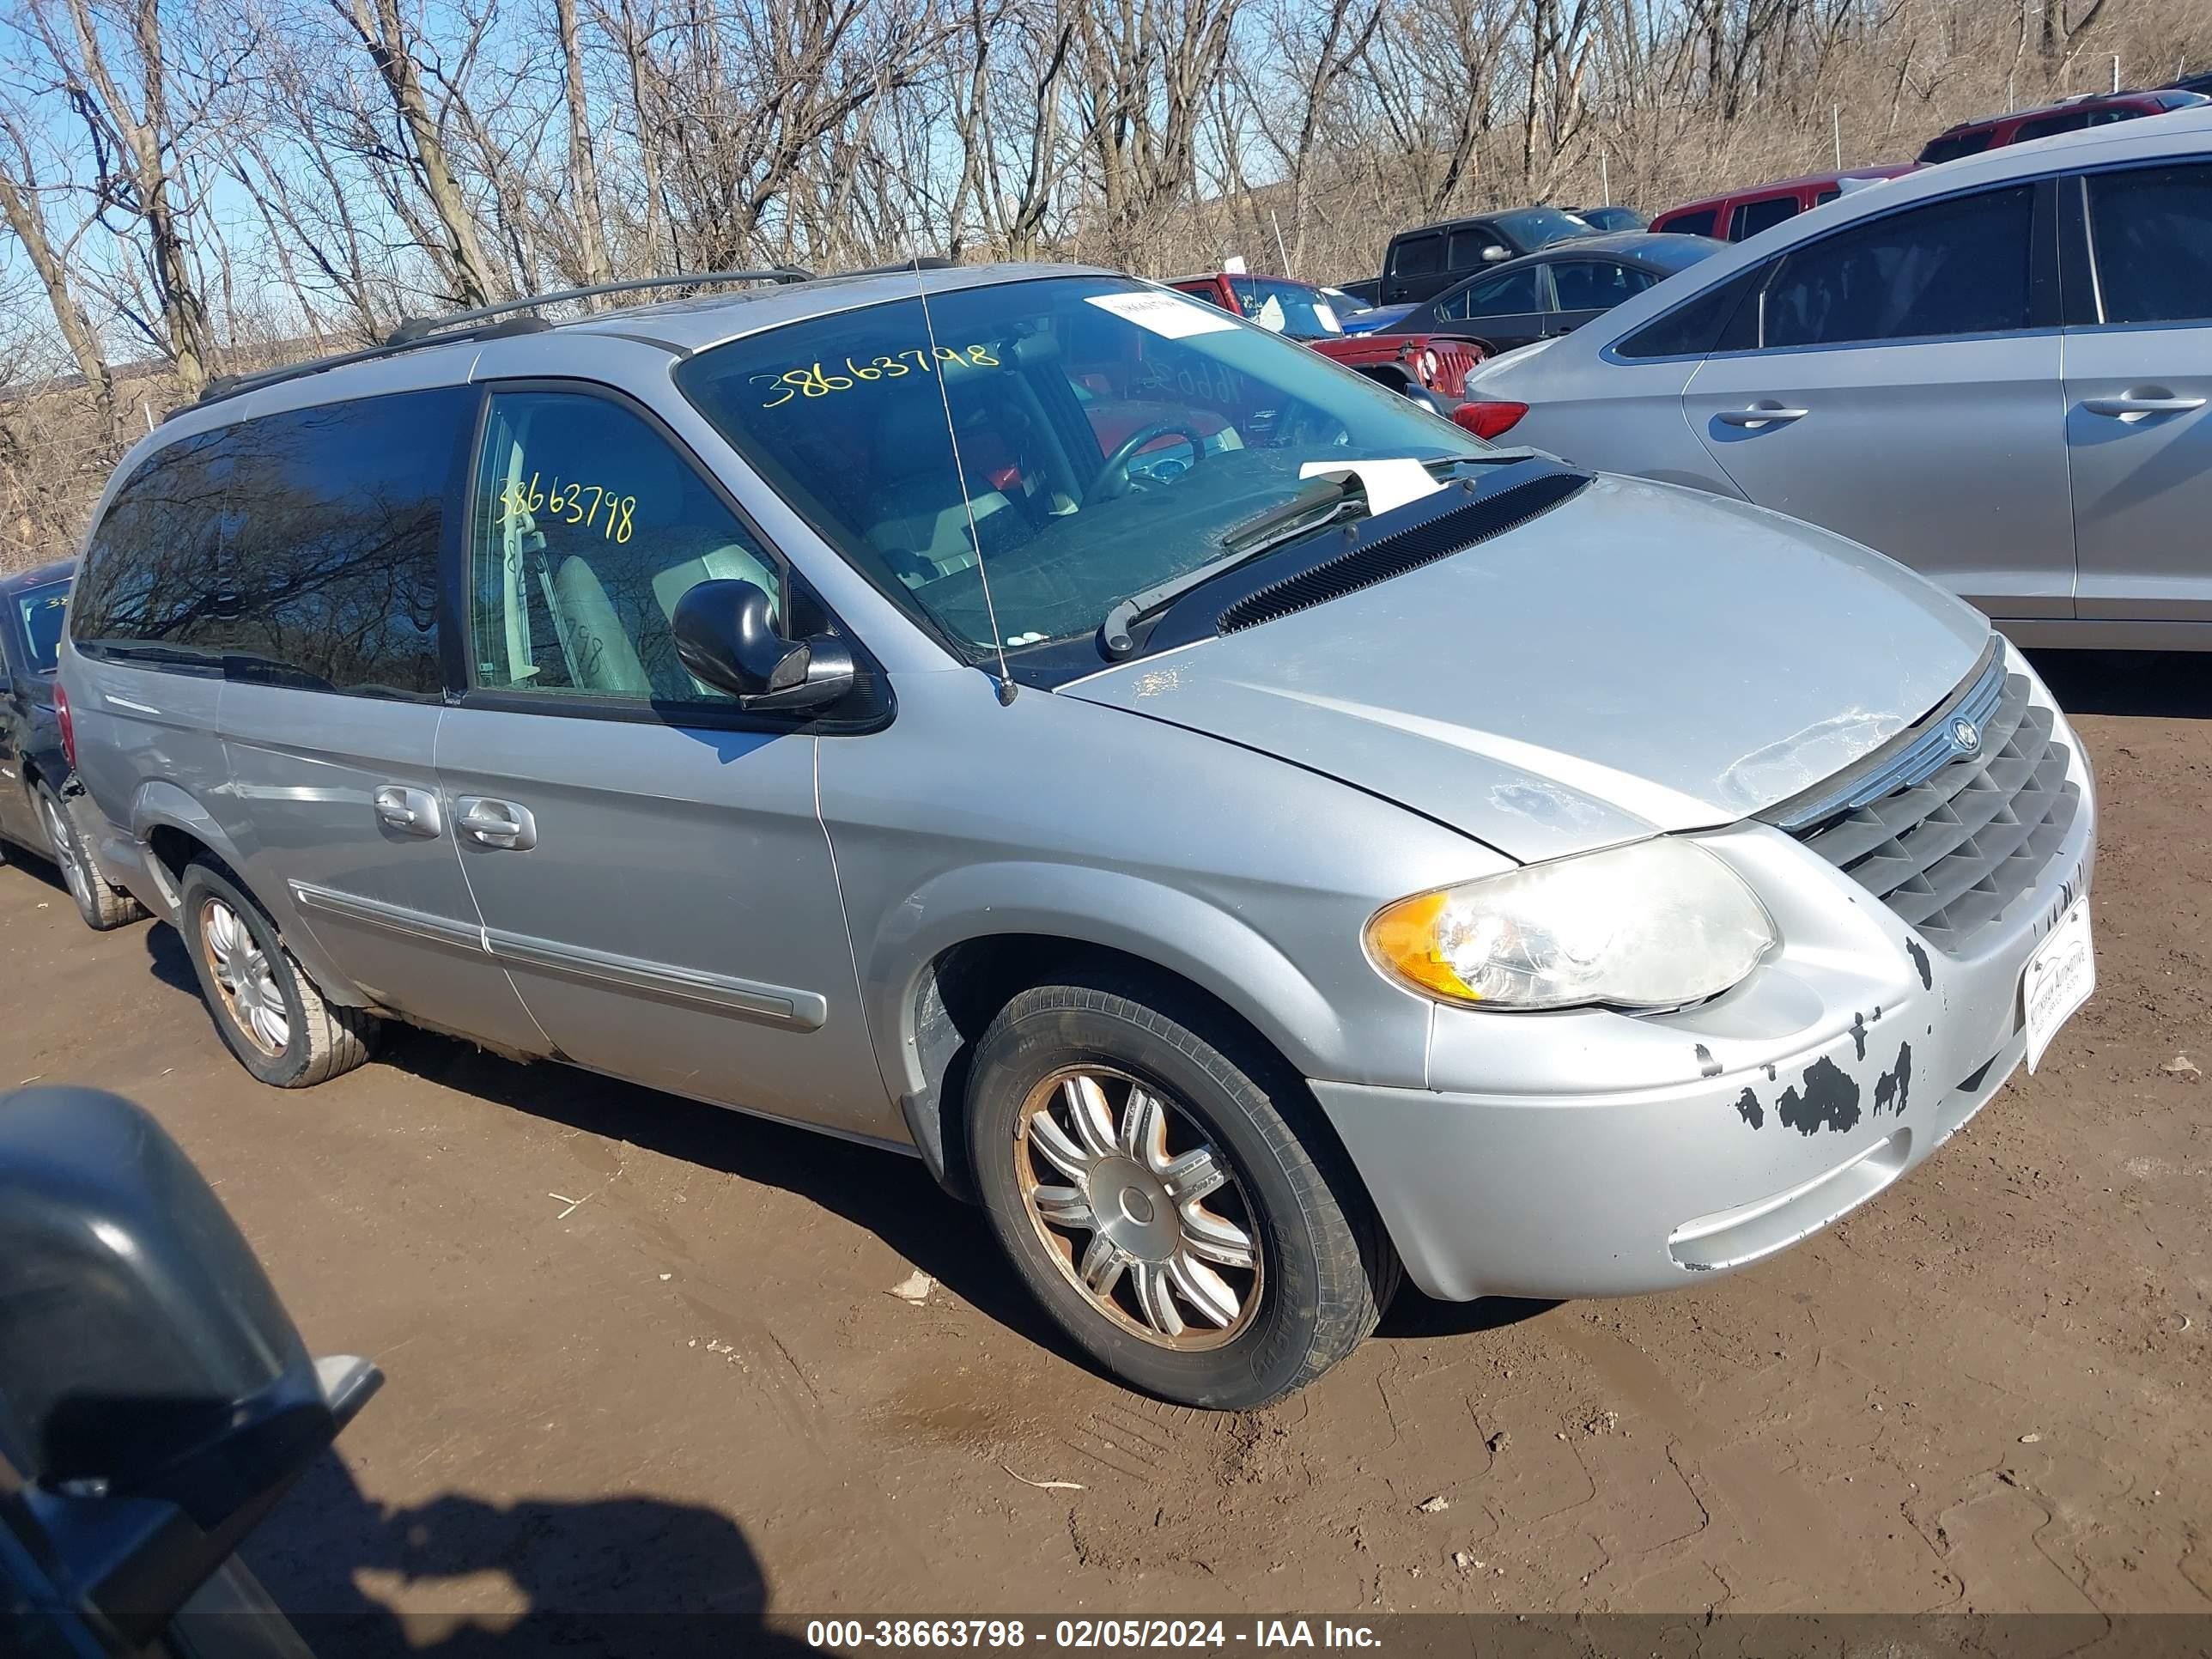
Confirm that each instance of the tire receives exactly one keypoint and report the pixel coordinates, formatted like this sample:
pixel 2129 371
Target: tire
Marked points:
pixel 275 1021
pixel 1321 1270
pixel 70 836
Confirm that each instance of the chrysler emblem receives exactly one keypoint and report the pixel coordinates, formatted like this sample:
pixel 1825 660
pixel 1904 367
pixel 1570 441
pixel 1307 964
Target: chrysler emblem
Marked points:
pixel 1966 736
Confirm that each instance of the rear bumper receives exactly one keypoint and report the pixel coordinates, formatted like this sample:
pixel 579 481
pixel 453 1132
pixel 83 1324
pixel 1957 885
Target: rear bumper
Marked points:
pixel 128 863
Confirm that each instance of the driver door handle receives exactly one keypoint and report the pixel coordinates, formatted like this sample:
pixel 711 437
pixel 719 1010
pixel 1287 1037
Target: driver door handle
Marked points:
pixel 496 824
pixel 2137 403
pixel 1760 415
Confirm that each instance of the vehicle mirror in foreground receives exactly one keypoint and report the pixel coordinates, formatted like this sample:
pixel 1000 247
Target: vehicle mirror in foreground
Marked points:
pixel 155 1398
pixel 1424 397
pixel 725 634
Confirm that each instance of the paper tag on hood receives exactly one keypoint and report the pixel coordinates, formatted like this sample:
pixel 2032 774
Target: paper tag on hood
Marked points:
pixel 1388 484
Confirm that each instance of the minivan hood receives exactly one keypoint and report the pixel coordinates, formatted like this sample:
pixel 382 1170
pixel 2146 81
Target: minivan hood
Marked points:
pixel 1641 657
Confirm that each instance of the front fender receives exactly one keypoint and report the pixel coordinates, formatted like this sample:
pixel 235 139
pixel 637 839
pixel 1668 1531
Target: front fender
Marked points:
pixel 1085 905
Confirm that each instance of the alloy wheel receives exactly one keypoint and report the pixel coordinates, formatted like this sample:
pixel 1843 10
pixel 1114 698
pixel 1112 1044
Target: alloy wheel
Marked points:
pixel 246 978
pixel 1141 1211
pixel 79 880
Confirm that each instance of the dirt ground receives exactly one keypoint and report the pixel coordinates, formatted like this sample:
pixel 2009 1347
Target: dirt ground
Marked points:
pixel 643 1354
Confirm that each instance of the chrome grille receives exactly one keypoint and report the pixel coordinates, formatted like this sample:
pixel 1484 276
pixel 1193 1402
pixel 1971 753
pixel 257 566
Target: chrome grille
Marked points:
pixel 1950 852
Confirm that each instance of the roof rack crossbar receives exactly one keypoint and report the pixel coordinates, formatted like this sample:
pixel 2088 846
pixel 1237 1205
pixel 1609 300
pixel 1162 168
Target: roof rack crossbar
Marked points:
pixel 413 329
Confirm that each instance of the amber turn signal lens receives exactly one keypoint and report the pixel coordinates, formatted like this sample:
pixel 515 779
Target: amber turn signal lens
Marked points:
pixel 1403 938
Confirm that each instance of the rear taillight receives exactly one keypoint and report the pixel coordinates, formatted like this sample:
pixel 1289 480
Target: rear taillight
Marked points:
pixel 69 725
pixel 1488 420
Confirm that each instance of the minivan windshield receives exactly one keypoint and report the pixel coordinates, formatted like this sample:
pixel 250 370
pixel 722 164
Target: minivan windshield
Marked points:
pixel 41 608
pixel 1112 437
pixel 1540 227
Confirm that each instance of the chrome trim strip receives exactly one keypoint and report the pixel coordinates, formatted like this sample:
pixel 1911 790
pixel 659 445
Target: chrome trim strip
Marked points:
pixel 1913 756
pixel 780 1004
pixel 440 931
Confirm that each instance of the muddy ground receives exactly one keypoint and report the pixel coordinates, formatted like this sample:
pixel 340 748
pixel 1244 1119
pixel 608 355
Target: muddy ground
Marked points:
pixel 644 1354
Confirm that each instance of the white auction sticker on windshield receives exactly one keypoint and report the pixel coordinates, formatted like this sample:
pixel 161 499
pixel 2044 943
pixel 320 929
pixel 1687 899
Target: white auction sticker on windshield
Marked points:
pixel 1168 315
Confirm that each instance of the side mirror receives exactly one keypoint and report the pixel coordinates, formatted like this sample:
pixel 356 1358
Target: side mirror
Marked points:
pixel 725 634
pixel 1423 396
pixel 1496 251
pixel 155 1398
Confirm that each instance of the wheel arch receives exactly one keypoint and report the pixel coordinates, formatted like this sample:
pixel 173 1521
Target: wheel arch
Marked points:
pixel 995 931
pixel 175 829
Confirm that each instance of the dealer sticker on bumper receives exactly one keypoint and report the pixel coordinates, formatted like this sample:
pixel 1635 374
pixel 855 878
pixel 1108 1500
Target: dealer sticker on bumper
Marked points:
pixel 2059 979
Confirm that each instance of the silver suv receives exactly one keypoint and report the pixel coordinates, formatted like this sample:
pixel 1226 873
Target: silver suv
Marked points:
pixel 1242 830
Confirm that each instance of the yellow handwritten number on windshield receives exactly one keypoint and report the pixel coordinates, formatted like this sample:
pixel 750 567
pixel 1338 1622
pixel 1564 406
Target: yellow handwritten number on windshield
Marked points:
pixel 822 381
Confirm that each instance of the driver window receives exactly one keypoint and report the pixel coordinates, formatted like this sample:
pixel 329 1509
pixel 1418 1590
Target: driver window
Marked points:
pixel 588 527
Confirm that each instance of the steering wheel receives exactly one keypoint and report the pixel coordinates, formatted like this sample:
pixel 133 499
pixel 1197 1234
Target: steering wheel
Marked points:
pixel 1112 478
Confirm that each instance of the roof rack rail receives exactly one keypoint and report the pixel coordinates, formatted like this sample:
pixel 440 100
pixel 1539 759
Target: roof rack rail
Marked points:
pixel 493 323
pixel 411 330
pixel 235 385
pixel 924 262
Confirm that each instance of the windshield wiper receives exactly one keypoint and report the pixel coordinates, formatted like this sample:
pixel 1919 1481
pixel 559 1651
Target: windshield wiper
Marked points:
pixel 1314 507
pixel 1318 505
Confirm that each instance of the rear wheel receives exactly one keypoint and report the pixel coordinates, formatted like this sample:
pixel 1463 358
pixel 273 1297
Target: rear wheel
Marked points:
pixel 1167 1190
pixel 267 1011
pixel 69 835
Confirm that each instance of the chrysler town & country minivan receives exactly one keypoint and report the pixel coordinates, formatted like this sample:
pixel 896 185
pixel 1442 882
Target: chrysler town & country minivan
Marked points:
pixel 1247 833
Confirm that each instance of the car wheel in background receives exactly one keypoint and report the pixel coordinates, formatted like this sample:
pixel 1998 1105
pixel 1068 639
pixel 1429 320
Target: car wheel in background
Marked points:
pixel 1167 1189
pixel 68 836
pixel 266 1008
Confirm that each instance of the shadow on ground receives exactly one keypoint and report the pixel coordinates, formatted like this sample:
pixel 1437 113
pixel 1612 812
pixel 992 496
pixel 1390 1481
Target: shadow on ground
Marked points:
pixel 613 1577
pixel 2172 684
pixel 890 1195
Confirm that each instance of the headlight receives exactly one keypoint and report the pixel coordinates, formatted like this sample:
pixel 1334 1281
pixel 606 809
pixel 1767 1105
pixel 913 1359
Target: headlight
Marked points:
pixel 1653 924
pixel 1429 366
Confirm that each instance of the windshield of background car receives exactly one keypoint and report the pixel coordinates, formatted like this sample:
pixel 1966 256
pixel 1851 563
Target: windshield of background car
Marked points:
pixel 41 608
pixel 1111 438
pixel 1281 307
pixel 1535 227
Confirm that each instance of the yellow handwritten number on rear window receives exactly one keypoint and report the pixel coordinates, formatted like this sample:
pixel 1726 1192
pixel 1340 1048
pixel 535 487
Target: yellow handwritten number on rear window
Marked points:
pixel 819 379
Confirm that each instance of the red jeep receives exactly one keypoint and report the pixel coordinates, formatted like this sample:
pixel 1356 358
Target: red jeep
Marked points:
pixel 1438 363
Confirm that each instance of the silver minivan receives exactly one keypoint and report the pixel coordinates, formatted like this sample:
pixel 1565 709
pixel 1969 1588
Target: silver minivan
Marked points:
pixel 1247 833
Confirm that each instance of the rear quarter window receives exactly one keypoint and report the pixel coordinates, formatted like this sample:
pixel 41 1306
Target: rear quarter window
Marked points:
pixel 150 569
pixel 1699 223
pixel 1952 145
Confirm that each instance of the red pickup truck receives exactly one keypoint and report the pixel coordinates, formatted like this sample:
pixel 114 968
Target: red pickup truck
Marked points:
pixel 1437 363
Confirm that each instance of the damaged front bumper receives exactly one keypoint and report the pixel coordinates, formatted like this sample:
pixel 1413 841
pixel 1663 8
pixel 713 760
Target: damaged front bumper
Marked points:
pixel 1592 1153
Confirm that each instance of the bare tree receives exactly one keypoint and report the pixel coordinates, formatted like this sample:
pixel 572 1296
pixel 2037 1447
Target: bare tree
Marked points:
pixel 26 216
pixel 383 34
pixel 114 73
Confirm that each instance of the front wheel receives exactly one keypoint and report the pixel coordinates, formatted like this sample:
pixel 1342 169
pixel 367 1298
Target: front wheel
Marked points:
pixel 1167 1191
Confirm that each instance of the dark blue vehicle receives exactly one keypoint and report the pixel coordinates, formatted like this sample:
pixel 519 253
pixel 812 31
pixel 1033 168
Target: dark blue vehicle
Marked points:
pixel 40 809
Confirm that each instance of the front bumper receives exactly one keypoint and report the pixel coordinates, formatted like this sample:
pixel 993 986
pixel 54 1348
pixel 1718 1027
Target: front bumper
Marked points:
pixel 1591 1153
